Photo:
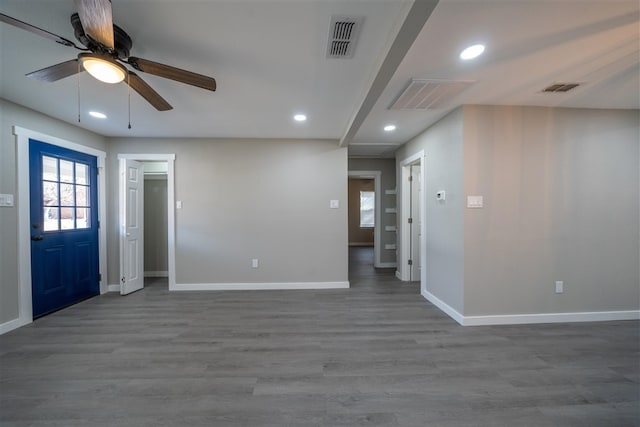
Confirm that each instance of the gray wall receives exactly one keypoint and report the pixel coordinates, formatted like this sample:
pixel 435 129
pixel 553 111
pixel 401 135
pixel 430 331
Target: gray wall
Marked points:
pixel 155 223
pixel 245 199
pixel 388 182
pixel 14 115
pixel 561 190
pixel 442 144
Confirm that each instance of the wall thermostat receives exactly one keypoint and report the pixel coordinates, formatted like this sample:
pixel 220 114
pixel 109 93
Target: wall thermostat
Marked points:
pixel 440 195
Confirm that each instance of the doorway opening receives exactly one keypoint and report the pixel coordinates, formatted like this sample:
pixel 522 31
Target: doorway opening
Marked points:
pixel 412 239
pixel 147 220
pixel 364 194
pixel 155 260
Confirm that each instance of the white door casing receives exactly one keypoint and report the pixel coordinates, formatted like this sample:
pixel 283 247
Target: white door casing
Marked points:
pixel 131 226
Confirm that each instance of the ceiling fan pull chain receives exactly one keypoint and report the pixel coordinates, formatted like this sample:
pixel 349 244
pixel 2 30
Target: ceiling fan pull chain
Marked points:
pixel 129 96
pixel 78 80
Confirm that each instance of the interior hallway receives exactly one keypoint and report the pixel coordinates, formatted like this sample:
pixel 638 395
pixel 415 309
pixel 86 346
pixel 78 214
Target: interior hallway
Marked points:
pixel 375 354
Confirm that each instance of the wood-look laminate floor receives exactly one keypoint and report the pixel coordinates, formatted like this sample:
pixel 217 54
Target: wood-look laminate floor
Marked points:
pixel 375 354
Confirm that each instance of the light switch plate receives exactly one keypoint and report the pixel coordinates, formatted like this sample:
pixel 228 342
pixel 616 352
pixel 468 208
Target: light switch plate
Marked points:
pixel 334 204
pixel 475 202
pixel 6 200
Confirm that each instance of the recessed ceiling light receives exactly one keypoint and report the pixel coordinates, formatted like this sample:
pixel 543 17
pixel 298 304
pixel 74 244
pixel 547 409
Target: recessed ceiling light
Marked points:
pixel 389 128
pixel 97 114
pixel 472 52
pixel 299 117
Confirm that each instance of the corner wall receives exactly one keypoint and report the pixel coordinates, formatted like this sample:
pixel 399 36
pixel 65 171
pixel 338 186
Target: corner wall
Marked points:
pixel 443 261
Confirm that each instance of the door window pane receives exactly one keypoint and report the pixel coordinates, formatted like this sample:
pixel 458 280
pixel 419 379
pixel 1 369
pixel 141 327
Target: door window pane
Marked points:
pixel 67 219
pixel 82 218
pixel 49 168
pixel 51 219
pixel 66 171
pixel 50 193
pixel 81 195
pixel 82 174
pixel 66 195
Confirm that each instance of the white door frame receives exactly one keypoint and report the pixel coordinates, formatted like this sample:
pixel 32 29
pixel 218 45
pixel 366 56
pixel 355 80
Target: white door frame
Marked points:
pixel 377 232
pixel 171 205
pixel 404 202
pixel 25 308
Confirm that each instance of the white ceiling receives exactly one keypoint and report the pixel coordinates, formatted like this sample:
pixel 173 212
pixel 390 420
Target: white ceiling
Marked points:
pixel 269 60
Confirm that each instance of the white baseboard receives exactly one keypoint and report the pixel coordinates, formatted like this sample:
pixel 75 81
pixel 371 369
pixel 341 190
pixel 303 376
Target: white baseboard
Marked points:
pixel 257 286
pixel 386 265
pixel 521 319
pixel 156 274
pixel 533 318
pixel 399 276
pixel 12 324
pixel 450 311
pixel 113 288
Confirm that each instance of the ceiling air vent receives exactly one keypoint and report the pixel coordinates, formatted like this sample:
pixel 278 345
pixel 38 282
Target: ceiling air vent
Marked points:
pixel 561 87
pixel 422 94
pixel 343 35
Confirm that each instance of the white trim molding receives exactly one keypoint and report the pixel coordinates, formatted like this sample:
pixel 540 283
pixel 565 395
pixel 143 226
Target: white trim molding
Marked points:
pixel 522 319
pixel 448 310
pixel 258 286
pixel 23 135
pixel 114 288
pixel 532 318
pixel 11 325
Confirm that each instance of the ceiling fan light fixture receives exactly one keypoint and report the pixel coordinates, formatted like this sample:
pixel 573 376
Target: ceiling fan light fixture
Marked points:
pixel 103 68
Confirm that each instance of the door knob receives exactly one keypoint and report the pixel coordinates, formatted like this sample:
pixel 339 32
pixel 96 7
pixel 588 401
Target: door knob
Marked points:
pixel 36 238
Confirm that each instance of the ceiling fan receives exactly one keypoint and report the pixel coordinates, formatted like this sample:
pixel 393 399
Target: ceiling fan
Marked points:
pixel 106 49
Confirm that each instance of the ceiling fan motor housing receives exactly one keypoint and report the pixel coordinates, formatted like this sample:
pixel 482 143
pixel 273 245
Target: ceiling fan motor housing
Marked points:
pixel 122 41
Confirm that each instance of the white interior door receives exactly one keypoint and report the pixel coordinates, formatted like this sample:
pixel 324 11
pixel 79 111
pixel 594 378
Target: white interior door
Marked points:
pixel 416 226
pixel 131 226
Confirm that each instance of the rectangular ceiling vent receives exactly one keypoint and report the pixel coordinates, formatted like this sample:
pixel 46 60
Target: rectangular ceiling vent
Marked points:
pixel 343 35
pixel 423 94
pixel 560 87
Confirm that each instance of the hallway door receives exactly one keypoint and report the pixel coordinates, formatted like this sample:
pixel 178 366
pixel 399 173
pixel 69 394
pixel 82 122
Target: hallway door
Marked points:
pixel 132 226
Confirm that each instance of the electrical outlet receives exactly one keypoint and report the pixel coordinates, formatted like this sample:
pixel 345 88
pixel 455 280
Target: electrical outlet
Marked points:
pixel 559 286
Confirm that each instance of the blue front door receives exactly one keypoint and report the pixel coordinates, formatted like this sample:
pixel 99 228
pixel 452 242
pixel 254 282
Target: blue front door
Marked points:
pixel 64 227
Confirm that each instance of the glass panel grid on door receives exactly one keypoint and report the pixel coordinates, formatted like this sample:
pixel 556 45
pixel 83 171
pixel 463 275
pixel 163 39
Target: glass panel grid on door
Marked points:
pixel 65 194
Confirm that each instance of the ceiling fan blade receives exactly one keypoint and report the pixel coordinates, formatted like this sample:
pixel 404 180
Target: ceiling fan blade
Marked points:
pixel 173 73
pixel 97 20
pixel 147 92
pixel 35 30
pixel 56 72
